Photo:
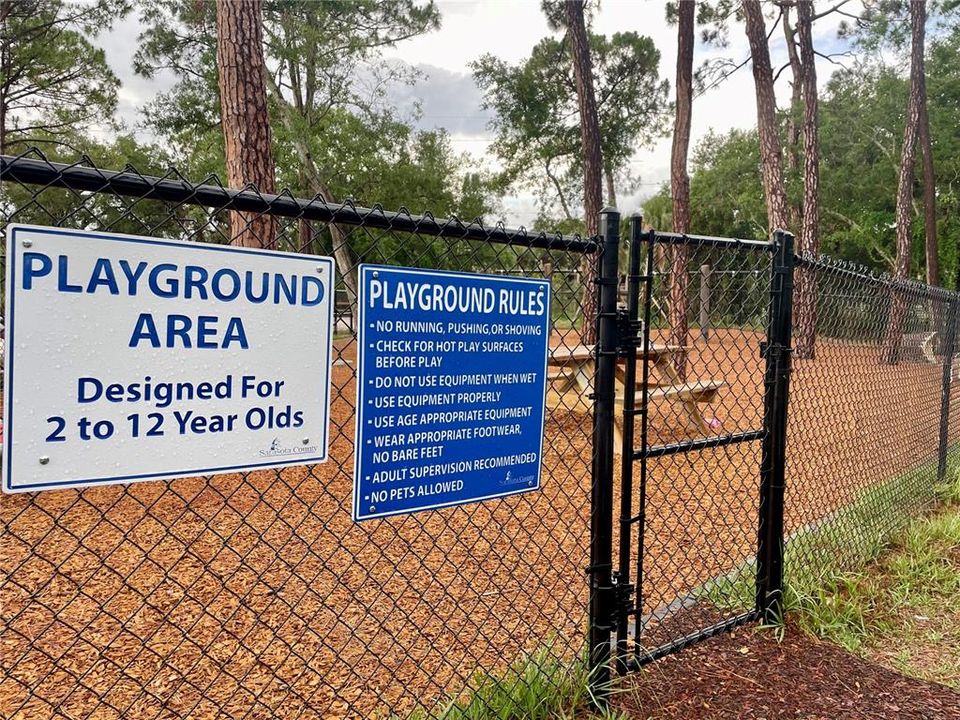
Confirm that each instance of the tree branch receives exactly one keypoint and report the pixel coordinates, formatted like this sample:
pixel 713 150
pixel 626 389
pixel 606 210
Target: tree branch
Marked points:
pixel 833 9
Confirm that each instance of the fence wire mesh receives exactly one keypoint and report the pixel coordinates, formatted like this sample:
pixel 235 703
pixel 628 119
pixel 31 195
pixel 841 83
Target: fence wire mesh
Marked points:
pixel 872 429
pixel 254 595
pixel 868 400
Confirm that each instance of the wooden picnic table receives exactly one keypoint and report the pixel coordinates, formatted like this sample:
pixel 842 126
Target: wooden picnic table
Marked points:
pixel 570 378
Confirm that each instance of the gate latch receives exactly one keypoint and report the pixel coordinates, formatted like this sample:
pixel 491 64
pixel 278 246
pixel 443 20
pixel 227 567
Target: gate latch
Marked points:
pixel 628 333
pixel 623 597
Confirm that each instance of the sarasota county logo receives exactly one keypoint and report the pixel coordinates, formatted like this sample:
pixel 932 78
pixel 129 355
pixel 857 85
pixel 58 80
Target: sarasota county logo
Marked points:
pixel 511 479
pixel 279 449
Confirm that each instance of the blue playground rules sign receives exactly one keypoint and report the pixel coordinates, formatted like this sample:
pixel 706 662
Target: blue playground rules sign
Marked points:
pixel 451 388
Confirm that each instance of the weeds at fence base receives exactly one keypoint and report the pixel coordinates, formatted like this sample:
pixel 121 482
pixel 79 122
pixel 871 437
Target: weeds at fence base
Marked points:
pixel 901 610
pixel 537 686
pixel 842 542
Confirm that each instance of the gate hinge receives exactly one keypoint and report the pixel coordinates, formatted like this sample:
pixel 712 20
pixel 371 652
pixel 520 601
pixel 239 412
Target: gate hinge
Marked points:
pixel 768 349
pixel 628 333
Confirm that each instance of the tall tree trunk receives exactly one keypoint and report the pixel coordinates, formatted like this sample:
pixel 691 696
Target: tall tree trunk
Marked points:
pixel 243 110
pixel 929 193
pixel 806 295
pixel 890 349
pixel 592 160
pixel 796 97
pixel 931 246
pixel 611 187
pixel 559 188
pixel 680 185
pixel 771 156
pixel 305 231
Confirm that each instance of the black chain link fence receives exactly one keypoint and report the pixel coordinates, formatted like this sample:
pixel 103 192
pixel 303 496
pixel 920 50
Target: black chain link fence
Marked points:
pixel 254 595
pixel 872 432
pixel 873 416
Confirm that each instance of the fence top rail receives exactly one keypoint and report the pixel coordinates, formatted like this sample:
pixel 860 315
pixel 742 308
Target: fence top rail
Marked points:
pixel 712 241
pixel 174 188
pixel 853 271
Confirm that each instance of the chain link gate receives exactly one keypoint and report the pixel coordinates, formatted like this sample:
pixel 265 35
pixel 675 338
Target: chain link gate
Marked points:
pixel 672 584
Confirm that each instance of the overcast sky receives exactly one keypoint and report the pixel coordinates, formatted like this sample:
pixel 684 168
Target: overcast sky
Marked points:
pixel 509 29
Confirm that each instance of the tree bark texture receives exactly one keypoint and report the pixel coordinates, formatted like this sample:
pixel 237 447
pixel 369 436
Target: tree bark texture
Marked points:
pixel 6 9
pixel 610 186
pixel 890 349
pixel 929 192
pixel 679 301
pixel 805 304
pixel 794 120
pixel 771 154
pixel 592 160
pixel 244 116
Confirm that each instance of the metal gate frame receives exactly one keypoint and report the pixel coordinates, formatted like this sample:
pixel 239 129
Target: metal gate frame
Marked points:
pixel 614 598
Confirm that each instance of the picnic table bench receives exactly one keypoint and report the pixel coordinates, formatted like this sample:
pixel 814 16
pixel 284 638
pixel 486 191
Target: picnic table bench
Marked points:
pixel 570 378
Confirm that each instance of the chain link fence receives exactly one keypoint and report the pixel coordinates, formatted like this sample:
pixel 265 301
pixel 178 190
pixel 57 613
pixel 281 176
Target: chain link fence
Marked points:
pixel 873 416
pixel 254 595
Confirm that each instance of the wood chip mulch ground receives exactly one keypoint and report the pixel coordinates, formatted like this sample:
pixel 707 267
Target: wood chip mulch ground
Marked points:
pixel 748 674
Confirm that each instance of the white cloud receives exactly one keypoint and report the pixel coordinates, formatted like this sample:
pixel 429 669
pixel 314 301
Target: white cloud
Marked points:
pixel 120 45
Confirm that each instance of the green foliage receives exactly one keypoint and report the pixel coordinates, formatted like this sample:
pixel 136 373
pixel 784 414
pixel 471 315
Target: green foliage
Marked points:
pixel 861 136
pixel 843 542
pixel 861 131
pixel 54 82
pixel 537 120
pixel 885 24
pixel 55 206
pixel 537 686
pixel 905 599
pixel 725 188
pixel 658 209
pixel 329 115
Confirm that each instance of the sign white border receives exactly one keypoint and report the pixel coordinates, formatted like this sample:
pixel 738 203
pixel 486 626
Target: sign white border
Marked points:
pixel 358 437
pixel 12 256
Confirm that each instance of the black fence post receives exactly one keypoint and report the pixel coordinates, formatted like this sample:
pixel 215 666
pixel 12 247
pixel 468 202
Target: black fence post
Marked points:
pixel 949 348
pixel 626 451
pixel 602 592
pixel 773 461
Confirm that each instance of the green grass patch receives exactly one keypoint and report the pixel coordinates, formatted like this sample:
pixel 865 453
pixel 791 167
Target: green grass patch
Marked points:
pixel 537 686
pixel 900 610
pixel 877 577
pixel 844 540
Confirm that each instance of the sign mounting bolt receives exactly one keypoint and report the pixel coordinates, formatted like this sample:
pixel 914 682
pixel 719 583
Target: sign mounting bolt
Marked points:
pixel 373 508
pixel 376 273
pixel 306 440
pixel 320 268
pixel 28 243
pixel 44 459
